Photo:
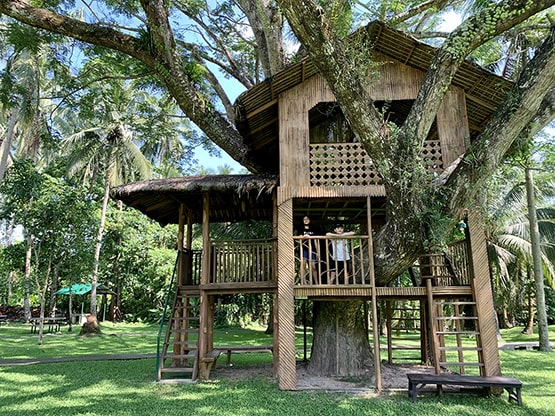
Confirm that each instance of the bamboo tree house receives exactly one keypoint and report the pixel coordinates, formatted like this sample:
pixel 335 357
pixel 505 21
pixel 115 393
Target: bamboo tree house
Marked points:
pixel 315 166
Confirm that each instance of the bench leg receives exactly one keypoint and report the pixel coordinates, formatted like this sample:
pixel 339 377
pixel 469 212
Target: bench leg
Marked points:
pixel 515 396
pixel 412 391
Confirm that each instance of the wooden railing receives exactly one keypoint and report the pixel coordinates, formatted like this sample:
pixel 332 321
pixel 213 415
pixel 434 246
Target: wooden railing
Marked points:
pixel 348 164
pixel 244 261
pixel 341 261
pixel 447 269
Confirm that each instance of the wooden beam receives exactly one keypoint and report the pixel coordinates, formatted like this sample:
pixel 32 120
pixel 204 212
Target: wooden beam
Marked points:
pixel 375 327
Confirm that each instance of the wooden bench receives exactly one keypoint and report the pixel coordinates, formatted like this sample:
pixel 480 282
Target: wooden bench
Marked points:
pixel 512 385
pixel 3 318
pixel 208 362
pixel 245 348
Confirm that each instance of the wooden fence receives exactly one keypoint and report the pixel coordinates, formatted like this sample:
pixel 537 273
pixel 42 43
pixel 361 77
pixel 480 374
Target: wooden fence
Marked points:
pixel 330 260
pixel 242 261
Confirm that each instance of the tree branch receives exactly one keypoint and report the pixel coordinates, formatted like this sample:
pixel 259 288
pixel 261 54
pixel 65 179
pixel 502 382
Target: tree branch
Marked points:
pixel 161 56
pixel 529 106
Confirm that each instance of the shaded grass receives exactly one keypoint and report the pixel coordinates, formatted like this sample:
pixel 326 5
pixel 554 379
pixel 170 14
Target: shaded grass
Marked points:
pixel 127 388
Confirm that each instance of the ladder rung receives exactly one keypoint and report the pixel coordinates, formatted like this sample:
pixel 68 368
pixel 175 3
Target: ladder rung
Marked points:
pixel 187 355
pixel 402 347
pixel 454 303
pixel 460 348
pixel 177 370
pixel 186 330
pixel 455 364
pixel 459 318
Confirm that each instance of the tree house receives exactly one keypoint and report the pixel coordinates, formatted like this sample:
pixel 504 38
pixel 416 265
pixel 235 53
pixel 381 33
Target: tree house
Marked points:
pixel 315 166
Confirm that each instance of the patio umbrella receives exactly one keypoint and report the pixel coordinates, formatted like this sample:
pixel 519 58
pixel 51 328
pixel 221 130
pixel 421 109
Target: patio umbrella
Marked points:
pixel 82 288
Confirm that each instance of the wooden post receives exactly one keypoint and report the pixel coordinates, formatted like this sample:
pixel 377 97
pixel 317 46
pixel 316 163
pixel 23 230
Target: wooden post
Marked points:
pixel 275 230
pixel 286 296
pixel 433 325
pixel 375 328
pixel 203 336
pixel 483 296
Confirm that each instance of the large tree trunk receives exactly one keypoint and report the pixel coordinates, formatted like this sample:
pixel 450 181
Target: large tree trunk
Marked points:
pixel 340 345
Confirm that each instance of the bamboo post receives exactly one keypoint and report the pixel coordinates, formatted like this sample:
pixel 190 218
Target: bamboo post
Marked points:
pixel 375 330
pixel 204 279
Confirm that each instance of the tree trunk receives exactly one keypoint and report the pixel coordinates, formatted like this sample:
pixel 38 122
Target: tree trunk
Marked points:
pixel 529 328
pixel 543 329
pixel 340 345
pixel 27 297
pixel 98 245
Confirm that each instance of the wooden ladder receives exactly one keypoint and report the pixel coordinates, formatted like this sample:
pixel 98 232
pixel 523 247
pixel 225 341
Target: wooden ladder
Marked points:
pixel 404 318
pixel 453 321
pixel 179 357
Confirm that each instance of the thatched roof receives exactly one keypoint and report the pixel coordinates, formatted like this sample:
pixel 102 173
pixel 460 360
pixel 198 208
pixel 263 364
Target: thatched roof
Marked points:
pixel 232 197
pixel 257 109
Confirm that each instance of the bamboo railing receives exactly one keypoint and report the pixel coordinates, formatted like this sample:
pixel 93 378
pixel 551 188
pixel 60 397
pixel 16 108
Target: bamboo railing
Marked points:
pixel 316 264
pixel 244 261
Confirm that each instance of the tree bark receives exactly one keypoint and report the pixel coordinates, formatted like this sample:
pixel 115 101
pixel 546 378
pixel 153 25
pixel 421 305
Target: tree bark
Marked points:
pixel 340 344
pixel 543 328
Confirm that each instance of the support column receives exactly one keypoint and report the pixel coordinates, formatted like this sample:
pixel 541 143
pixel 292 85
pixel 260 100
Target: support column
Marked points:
pixel 375 327
pixel 205 314
pixel 276 331
pixel 483 296
pixel 287 361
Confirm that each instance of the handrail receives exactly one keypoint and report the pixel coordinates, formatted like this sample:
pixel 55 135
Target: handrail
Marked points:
pixel 332 260
pixel 171 291
pixel 242 261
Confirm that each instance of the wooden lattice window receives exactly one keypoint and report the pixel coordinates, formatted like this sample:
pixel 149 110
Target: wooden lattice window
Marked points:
pixel 431 153
pixel 341 164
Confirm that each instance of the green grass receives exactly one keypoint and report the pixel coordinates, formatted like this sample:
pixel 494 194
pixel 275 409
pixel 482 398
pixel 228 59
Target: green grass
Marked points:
pixel 98 388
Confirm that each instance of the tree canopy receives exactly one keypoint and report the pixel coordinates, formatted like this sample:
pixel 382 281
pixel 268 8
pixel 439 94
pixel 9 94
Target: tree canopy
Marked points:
pixel 193 50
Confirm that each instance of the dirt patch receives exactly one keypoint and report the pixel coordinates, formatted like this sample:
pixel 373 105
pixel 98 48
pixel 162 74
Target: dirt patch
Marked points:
pixel 394 377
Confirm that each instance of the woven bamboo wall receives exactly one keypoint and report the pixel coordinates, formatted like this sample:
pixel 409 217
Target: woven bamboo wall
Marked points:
pixel 294 105
pixel 394 81
pixel 452 125
pixel 302 164
pixel 285 297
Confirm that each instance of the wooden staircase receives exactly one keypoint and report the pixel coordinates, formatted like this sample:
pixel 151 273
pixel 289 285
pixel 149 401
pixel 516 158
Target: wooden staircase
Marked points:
pixel 403 323
pixel 456 335
pixel 178 361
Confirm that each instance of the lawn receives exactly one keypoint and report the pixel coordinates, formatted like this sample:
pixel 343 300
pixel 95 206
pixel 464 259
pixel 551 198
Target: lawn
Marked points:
pixel 127 387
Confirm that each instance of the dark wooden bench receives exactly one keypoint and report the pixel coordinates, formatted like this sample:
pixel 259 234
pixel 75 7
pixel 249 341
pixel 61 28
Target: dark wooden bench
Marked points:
pixel 244 348
pixel 207 363
pixel 512 385
pixel 3 318
pixel 51 324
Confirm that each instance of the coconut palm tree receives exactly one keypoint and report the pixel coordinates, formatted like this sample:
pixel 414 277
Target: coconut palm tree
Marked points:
pixel 511 249
pixel 105 147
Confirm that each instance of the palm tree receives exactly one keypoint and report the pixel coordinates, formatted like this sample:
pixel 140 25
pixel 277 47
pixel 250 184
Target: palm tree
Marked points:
pixel 511 249
pixel 105 146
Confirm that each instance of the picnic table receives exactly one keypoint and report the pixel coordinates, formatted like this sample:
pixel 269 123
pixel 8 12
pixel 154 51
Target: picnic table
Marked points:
pixel 53 324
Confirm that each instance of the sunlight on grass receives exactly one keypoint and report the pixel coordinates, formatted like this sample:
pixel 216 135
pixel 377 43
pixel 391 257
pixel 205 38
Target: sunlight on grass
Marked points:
pixel 106 388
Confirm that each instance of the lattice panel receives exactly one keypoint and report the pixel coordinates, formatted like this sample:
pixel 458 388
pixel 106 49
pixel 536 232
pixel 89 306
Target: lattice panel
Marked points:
pixel 341 164
pixel 348 164
pixel 431 153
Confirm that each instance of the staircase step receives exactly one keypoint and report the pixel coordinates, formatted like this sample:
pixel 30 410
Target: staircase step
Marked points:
pixel 456 318
pixel 457 333
pixel 174 356
pixel 460 348
pixel 460 364
pixel 454 303
pixel 177 370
